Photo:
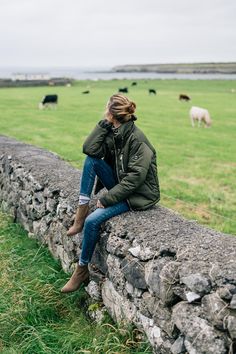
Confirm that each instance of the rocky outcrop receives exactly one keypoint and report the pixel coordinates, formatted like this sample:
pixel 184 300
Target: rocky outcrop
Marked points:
pixel 171 277
pixel 187 68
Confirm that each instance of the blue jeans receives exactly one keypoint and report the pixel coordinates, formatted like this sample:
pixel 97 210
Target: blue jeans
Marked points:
pixel 96 167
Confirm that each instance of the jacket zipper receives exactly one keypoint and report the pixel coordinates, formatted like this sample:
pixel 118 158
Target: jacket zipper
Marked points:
pixel 121 155
pixel 122 162
pixel 117 172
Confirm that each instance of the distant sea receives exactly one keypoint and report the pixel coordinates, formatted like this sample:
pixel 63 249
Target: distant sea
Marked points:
pixel 108 74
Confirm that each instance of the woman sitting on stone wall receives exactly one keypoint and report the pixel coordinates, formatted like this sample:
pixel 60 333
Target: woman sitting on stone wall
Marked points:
pixel 124 161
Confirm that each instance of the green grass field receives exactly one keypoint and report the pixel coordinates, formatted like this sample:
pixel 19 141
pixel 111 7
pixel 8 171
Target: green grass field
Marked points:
pixel 197 167
pixel 35 318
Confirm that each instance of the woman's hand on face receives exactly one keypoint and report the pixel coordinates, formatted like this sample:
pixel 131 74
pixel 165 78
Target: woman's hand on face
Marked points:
pixel 99 204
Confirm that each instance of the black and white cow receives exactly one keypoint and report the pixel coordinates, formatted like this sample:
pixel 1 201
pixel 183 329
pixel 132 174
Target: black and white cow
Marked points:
pixel 48 101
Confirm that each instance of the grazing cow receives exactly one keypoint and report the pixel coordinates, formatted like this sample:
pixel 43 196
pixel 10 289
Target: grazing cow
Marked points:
pixel 86 92
pixel 49 101
pixel 134 83
pixel 124 90
pixel 152 91
pixel 200 115
pixel 183 97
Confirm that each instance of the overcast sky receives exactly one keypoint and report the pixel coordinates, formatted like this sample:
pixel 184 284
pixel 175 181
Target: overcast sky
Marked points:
pixel 104 33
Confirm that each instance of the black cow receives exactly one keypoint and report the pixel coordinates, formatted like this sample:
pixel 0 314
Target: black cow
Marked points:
pixel 134 83
pixel 124 90
pixel 183 97
pixel 152 91
pixel 49 101
pixel 86 92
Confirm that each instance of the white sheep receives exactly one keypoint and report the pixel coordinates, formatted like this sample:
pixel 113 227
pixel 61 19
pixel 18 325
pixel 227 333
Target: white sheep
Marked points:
pixel 200 115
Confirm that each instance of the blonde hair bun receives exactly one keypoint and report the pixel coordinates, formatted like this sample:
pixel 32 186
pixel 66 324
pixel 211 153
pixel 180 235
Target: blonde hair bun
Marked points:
pixel 132 107
pixel 121 108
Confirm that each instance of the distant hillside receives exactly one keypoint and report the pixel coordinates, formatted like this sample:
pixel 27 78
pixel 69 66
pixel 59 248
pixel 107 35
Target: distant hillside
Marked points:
pixel 196 68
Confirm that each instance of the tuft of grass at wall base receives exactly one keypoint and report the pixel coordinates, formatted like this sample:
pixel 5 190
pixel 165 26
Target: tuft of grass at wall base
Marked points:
pixel 35 318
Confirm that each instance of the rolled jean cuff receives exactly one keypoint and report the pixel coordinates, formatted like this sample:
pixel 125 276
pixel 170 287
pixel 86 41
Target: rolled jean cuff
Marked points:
pixel 84 195
pixel 82 263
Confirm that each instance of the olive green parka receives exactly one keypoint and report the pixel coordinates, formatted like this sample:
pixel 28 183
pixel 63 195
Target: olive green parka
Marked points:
pixel 127 150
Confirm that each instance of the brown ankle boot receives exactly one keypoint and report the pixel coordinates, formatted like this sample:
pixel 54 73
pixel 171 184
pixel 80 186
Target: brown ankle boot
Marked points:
pixel 81 214
pixel 80 275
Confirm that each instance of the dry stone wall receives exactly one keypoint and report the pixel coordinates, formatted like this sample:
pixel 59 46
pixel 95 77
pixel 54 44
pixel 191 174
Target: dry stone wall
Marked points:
pixel 169 276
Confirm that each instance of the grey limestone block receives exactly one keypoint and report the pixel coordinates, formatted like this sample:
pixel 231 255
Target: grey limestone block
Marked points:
pixel 115 273
pixel 134 292
pixel 144 253
pixel 197 283
pixel 152 274
pixel 162 316
pixel 51 205
pixel 231 326
pixel 118 246
pixel 94 290
pixel 178 346
pixel 161 276
pixel 226 292
pixel 118 306
pixel 134 272
pixel 200 336
pixel 233 302
pixel 216 309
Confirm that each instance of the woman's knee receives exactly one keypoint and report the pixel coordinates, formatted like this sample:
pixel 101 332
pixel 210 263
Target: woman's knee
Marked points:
pixel 89 159
pixel 92 222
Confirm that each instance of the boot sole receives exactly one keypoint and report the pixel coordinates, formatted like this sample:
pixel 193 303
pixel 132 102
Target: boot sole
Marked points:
pixel 73 234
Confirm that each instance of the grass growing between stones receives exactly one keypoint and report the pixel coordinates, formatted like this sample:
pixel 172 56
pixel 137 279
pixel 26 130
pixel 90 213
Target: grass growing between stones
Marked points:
pixel 197 167
pixel 36 318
